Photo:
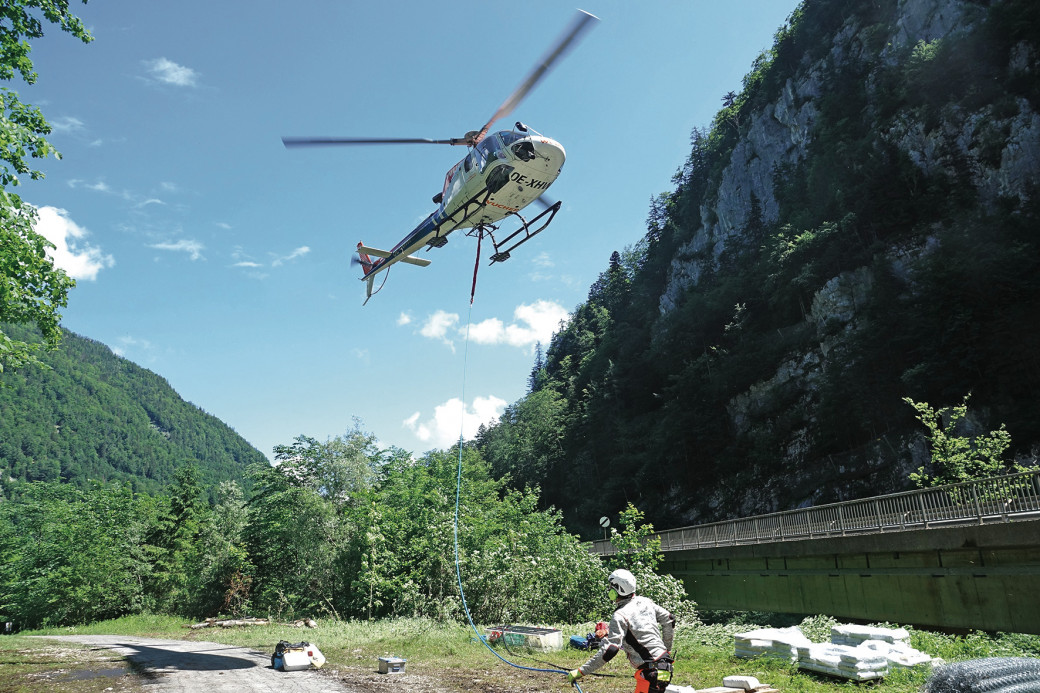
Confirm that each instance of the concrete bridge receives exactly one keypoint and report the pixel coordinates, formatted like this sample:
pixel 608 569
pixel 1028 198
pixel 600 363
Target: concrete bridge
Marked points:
pixel 965 556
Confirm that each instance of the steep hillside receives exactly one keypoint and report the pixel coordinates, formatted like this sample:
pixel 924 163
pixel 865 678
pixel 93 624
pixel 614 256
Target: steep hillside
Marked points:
pixel 96 416
pixel 858 225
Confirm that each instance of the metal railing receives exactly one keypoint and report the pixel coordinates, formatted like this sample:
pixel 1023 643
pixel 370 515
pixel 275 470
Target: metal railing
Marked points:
pixel 999 499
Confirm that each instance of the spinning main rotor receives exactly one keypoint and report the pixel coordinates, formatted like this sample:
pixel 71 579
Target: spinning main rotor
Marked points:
pixel 581 22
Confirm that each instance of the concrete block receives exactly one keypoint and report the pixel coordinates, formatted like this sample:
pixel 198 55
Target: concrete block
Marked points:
pixel 747 683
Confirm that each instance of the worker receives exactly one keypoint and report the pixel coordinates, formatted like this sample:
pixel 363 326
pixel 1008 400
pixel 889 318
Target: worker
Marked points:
pixel 642 629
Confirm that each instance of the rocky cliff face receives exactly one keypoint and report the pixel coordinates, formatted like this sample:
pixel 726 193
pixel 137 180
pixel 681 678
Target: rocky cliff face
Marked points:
pixel 782 132
pixel 989 145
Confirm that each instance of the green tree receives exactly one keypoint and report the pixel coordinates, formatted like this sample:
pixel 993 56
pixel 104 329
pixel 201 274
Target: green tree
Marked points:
pixel 525 444
pixel 958 458
pixel 70 556
pixel 225 573
pixel 639 551
pixel 176 553
pixel 337 469
pixel 32 290
pixel 303 521
pixel 516 562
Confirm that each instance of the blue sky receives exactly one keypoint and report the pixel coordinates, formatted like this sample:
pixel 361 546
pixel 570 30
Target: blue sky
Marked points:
pixel 207 252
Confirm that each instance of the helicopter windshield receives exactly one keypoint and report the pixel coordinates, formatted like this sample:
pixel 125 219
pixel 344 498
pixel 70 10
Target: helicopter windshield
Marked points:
pixel 509 137
pixel 489 149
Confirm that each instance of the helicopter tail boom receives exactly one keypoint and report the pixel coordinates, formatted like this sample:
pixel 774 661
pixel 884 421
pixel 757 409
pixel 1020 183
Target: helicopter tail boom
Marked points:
pixel 364 250
pixel 385 259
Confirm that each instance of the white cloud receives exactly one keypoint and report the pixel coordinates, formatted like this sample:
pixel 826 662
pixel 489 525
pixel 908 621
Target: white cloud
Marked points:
pixel 246 261
pixel 437 326
pixel 100 186
pixel 544 259
pixel 103 187
pixel 542 268
pixel 66 124
pixel 130 342
pixel 532 323
pixel 71 253
pixel 192 248
pixel 169 72
pixel 299 252
pixel 449 419
pixel 404 318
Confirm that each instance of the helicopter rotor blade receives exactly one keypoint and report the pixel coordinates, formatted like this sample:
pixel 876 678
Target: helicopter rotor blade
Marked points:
pixel 582 22
pixel 326 141
pixel 545 201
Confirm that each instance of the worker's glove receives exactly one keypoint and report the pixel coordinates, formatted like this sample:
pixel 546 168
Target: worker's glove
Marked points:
pixel 573 675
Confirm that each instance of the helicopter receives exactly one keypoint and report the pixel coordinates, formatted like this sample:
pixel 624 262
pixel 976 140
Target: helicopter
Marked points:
pixel 502 173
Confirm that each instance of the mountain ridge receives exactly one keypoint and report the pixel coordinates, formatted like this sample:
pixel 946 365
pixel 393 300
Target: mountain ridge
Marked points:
pixel 92 415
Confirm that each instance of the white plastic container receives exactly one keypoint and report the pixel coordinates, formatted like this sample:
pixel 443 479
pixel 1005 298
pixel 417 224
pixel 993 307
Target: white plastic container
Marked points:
pixel 295 660
pixel 317 658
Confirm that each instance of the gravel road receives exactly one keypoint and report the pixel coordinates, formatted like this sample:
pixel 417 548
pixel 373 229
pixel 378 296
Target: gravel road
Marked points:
pixel 182 666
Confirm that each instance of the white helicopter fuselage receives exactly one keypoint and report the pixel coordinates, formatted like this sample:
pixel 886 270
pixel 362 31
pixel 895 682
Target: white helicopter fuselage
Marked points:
pixel 515 170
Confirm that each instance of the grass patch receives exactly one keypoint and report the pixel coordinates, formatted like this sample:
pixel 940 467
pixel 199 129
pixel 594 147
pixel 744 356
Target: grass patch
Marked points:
pixel 451 655
pixel 144 625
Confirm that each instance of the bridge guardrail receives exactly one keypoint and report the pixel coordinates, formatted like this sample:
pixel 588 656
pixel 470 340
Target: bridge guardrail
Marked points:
pixel 997 499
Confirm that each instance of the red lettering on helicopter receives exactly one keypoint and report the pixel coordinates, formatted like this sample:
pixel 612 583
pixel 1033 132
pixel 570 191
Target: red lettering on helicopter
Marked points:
pixel 532 183
pixel 508 209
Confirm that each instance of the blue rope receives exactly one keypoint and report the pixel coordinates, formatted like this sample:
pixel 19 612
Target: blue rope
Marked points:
pixel 458 492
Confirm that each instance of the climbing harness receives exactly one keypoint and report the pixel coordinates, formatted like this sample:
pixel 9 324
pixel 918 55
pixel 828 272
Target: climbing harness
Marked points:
pixel 458 492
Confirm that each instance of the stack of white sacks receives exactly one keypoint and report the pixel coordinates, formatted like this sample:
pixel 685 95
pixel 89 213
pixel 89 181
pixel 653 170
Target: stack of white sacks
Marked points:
pixel 859 653
pixel 782 643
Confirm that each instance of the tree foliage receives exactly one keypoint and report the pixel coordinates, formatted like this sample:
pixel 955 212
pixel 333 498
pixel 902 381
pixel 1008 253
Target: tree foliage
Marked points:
pixel 297 546
pixel 71 555
pixel 94 416
pixel 708 362
pixel 32 289
pixel 638 550
pixel 958 458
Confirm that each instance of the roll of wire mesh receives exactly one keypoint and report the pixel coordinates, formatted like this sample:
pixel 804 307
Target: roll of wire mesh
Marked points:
pixel 990 675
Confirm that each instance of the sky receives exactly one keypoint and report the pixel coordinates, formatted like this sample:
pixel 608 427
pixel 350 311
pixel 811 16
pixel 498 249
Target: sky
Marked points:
pixel 207 252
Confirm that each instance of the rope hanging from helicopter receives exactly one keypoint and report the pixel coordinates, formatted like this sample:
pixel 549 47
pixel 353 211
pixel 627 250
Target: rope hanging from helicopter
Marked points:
pixel 386 275
pixel 436 237
pixel 458 494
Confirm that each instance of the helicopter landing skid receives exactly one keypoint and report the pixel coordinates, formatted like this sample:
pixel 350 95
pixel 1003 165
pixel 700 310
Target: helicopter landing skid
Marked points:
pixel 500 254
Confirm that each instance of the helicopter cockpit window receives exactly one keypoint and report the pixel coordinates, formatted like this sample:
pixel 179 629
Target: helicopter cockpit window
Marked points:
pixel 452 180
pixel 509 137
pixel 490 149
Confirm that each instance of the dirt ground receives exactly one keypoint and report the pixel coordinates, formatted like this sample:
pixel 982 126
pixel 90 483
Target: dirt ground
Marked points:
pixel 180 666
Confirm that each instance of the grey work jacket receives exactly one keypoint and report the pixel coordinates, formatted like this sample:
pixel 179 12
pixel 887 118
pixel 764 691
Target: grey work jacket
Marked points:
pixel 641 628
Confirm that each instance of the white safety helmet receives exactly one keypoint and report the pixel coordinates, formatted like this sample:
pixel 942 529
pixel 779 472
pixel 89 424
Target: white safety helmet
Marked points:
pixel 622 582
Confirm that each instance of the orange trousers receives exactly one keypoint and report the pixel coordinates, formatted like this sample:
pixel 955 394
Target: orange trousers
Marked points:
pixel 649 685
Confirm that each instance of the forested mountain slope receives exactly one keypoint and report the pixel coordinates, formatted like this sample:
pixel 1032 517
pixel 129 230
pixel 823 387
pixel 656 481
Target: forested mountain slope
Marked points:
pixel 96 416
pixel 858 225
